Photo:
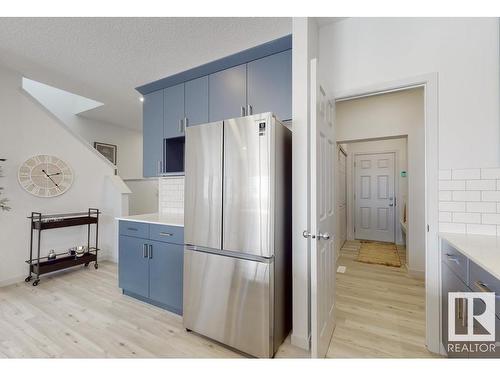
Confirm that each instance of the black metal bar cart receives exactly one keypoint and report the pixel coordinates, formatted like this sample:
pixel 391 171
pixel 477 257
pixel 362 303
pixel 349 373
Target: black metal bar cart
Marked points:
pixel 42 265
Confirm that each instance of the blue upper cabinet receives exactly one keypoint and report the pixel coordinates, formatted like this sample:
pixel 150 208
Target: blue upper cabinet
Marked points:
pixel 196 101
pixel 152 133
pixel 227 93
pixel 269 85
pixel 255 80
pixel 173 118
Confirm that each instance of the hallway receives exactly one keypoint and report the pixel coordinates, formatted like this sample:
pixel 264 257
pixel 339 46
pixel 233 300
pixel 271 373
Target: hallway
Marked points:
pixel 380 311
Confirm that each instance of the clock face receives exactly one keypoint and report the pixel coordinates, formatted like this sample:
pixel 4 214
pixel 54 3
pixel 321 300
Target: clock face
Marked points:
pixel 45 176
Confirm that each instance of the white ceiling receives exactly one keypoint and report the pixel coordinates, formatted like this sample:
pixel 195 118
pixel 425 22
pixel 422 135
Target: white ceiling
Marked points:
pixel 106 58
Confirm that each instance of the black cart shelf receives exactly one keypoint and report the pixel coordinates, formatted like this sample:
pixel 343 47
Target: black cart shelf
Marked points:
pixel 42 265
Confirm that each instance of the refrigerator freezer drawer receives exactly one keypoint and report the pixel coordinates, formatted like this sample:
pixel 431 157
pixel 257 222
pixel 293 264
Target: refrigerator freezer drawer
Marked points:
pixel 228 299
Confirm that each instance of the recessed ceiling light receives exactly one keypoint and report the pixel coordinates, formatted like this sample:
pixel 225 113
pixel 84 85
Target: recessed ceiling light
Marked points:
pixel 141 99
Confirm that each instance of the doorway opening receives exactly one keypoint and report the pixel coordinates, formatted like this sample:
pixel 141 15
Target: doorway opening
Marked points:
pixel 383 244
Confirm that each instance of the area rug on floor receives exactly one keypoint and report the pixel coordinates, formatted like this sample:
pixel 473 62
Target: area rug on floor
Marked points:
pixel 383 253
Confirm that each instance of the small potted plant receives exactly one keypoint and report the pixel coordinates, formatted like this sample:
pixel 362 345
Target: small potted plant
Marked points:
pixel 3 201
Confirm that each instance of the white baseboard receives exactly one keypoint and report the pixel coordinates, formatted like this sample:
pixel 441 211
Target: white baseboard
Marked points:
pixel 416 274
pixel 12 280
pixel 301 342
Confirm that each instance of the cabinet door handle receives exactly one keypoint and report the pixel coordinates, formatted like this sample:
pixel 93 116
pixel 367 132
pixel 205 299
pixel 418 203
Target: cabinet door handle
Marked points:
pixel 180 126
pixel 165 234
pixel 145 250
pixel 249 110
pixel 185 124
pixel 242 110
pixel 150 251
pixel 483 287
pixel 452 258
pixel 133 229
pixel 159 168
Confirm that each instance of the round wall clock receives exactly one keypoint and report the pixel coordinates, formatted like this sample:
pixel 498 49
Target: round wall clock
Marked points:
pixel 45 176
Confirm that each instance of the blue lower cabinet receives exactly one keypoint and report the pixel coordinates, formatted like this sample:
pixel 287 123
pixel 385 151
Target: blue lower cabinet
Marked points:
pixel 133 270
pixel 152 270
pixel 165 275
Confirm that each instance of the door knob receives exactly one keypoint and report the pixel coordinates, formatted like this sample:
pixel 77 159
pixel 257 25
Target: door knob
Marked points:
pixel 324 236
pixel 307 234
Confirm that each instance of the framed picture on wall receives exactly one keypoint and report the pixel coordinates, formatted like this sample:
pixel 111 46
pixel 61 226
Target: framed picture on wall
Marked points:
pixel 107 150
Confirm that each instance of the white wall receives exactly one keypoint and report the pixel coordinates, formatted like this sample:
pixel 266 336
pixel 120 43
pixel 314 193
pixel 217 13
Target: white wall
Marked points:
pixel 397 145
pixel 28 129
pixel 144 197
pixel 389 115
pixel 129 142
pixel 360 52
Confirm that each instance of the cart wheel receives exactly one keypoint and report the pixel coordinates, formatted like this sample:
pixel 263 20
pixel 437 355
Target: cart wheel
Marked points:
pixel 35 283
pixel 28 279
pixel 96 266
pixel 86 264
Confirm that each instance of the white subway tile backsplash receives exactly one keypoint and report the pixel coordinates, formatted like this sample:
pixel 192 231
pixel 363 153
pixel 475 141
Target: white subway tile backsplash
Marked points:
pixel 171 195
pixel 490 196
pixel 466 196
pixel 481 229
pixel 452 227
pixel 469 201
pixel 486 207
pixel 490 173
pixel 452 206
pixel 451 185
pixel 445 217
pixel 445 174
pixel 466 174
pixel 467 217
pixel 445 195
pixel 481 185
pixel 491 219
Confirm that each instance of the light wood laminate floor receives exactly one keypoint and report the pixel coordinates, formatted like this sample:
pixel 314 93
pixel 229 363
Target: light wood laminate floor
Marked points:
pixel 380 311
pixel 82 314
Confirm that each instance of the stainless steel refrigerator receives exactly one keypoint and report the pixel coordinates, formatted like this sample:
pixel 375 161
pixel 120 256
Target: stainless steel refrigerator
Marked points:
pixel 237 258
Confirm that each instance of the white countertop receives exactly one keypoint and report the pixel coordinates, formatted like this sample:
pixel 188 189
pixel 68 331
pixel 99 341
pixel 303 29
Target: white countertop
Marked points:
pixel 481 249
pixel 176 220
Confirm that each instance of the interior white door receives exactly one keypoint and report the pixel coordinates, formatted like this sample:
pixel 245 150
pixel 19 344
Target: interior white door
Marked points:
pixel 322 156
pixel 374 197
pixel 341 194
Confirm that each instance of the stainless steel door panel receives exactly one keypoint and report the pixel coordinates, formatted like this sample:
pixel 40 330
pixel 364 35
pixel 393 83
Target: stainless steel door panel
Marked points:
pixel 228 300
pixel 203 185
pixel 248 193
